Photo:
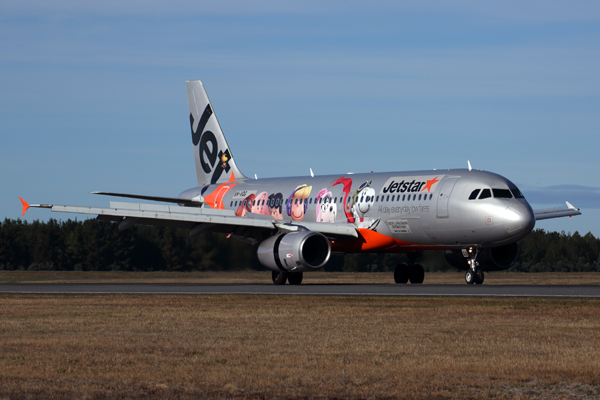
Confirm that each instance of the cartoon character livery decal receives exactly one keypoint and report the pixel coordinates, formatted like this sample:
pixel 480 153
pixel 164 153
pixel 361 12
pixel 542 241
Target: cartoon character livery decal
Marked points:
pixel 363 201
pixel 347 186
pixel 275 205
pixel 326 208
pixel 298 202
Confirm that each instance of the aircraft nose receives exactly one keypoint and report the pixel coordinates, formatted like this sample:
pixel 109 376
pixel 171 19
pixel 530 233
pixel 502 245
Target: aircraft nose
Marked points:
pixel 518 218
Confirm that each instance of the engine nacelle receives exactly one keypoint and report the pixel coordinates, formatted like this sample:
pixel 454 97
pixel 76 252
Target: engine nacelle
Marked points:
pixel 498 258
pixel 489 259
pixel 296 251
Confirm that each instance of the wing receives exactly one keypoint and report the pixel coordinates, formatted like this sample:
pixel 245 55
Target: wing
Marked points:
pixel 198 219
pixel 548 213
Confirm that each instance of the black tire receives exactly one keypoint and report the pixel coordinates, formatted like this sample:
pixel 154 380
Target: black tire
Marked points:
pixel 295 278
pixel 401 273
pixel 470 277
pixel 279 277
pixel 479 277
pixel 417 274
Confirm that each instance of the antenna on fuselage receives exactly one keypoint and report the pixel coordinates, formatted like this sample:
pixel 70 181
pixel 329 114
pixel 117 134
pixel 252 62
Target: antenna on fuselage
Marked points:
pixel 311 173
pixel 469 164
pixel 255 177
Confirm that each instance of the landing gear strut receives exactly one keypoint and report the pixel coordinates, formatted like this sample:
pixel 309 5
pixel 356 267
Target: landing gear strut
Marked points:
pixel 474 274
pixel 411 271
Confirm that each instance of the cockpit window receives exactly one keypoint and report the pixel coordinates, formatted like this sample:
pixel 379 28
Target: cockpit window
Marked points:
pixel 474 194
pixel 517 193
pixel 502 193
pixel 485 193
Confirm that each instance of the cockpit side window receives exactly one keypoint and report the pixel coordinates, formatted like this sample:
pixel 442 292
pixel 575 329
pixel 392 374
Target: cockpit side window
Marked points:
pixel 502 193
pixel 474 194
pixel 485 193
pixel 516 192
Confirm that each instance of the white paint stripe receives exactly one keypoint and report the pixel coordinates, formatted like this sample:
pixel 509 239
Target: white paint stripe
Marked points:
pixel 311 294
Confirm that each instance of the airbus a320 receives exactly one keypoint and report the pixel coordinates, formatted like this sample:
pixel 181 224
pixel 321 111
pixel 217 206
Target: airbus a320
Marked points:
pixel 475 217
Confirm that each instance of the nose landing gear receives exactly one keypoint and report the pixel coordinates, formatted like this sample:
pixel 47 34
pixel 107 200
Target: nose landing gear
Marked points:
pixel 474 274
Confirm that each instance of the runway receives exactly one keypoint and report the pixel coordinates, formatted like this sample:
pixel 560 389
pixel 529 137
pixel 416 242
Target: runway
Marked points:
pixel 354 290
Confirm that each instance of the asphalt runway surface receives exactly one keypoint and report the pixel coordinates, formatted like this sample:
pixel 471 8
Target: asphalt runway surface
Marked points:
pixel 456 290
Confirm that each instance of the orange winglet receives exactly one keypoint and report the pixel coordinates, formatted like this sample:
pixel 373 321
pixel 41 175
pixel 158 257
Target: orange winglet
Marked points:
pixel 25 205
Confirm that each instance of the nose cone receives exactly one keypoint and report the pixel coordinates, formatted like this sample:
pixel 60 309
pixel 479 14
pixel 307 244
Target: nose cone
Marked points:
pixel 519 219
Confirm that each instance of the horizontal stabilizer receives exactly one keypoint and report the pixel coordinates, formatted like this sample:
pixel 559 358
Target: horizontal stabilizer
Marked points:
pixel 188 202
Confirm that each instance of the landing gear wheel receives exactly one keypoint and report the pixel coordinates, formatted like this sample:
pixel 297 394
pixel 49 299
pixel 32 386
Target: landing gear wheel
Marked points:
pixel 470 277
pixel 417 274
pixel 279 277
pixel 479 277
pixel 401 273
pixel 295 278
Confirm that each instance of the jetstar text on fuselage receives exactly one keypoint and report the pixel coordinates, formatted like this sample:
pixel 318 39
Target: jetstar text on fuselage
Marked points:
pixel 411 185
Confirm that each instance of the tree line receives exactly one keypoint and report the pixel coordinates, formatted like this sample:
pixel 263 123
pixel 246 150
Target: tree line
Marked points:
pixel 92 245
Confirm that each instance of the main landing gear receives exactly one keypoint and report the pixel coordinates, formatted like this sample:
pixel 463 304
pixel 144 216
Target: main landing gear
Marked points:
pixel 280 277
pixel 410 272
pixel 474 274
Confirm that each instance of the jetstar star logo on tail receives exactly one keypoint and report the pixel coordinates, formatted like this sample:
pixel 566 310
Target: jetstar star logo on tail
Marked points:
pixel 413 184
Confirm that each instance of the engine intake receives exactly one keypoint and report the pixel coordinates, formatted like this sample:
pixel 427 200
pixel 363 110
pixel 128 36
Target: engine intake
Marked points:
pixel 498 258
pixel 297 251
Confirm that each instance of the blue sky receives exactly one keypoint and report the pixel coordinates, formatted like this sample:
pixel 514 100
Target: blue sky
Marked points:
pixel 92 95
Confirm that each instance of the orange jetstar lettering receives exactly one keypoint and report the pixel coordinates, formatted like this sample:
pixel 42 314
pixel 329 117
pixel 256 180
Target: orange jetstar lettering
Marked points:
pixel 430 183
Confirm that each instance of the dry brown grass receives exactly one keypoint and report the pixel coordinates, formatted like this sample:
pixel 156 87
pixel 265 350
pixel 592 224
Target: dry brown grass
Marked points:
pixel 491 278
pixel 297 347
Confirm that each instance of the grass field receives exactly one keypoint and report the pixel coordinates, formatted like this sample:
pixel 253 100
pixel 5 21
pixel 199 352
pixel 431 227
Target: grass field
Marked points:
pixel 318 277
pixel 130 346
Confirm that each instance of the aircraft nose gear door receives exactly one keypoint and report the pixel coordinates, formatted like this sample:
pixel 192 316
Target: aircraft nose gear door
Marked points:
pixel 444 197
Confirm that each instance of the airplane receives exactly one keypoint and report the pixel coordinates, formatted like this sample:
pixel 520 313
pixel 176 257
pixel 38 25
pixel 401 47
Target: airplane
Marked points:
pixel 476 217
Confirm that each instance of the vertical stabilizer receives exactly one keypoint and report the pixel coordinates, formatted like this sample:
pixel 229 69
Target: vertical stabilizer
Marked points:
pixel 214 161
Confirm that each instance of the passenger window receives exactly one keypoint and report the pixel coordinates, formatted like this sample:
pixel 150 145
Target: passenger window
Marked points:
pixel 502 193
pixel 474 194
pixel 485 193
pixel 388 198
pixel 430 196
pixel 403 197
pixel 392 198
pixel 419 197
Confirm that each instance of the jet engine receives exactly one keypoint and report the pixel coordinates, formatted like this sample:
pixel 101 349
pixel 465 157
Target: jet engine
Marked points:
pixel 490 259
pixel 295 251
